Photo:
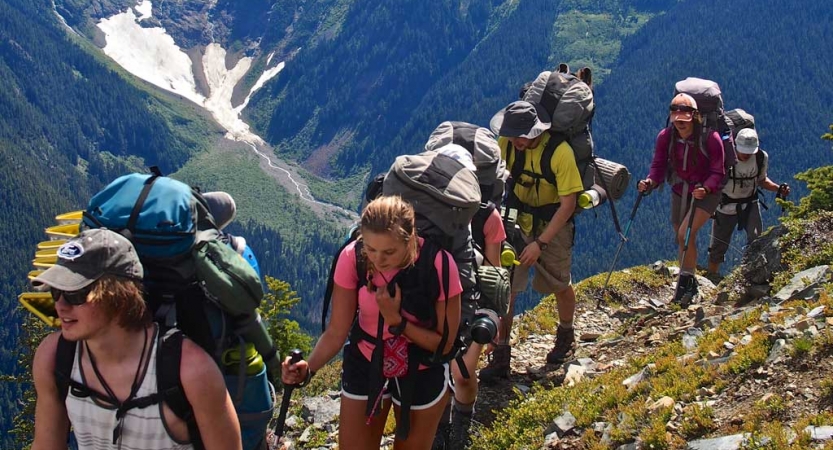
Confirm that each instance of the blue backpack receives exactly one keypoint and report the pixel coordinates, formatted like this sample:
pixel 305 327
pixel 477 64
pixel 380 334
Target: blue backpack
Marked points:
pixel 198 283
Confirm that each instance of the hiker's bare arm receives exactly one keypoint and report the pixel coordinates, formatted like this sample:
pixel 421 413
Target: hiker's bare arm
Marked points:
pixel 452 315
pixel 345 303
pixel 770 185
pixel 492 254
pixel 560 218
pixel 430 339
pixel 206 391
pixel 51 421
pixel 533 251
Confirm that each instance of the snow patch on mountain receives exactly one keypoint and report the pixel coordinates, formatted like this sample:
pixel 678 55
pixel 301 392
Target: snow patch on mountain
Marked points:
pixel 144 8
pixel 152 55
pixel 264 77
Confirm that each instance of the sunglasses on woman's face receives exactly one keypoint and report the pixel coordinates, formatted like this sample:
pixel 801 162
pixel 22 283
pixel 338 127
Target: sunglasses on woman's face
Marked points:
pixel 74 298
pixel 681 108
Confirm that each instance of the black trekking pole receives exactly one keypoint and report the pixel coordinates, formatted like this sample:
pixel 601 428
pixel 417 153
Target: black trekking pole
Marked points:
pixel 296 356
pixel 622 241
pixel 782 194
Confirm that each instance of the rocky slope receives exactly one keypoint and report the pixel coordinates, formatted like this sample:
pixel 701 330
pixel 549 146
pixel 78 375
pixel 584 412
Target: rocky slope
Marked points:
pixel 743 367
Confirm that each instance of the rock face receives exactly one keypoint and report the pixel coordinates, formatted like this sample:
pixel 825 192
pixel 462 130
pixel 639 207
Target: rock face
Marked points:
pixel 762 259
pixel 805 284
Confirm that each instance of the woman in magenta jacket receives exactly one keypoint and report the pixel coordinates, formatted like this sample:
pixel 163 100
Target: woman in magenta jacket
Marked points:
pixel 693 166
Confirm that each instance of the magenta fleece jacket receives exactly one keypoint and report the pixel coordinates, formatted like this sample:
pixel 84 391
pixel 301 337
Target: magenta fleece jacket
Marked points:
pixel 699 170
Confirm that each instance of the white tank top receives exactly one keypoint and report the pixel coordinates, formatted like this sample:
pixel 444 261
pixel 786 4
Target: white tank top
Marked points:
pixel 143 429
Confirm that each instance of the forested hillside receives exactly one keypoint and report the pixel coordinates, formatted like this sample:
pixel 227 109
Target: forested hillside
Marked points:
pixel 68 124
pixel 353 94
pixel 340 101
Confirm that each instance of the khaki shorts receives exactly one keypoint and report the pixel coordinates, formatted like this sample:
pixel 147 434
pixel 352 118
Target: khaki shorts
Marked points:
pixel 708 203
pixel 552 271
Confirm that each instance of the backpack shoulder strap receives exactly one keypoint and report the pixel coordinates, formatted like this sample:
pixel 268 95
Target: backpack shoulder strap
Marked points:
pixel 556 139
pixel 169 385
pixel 518 161
pixel 64 357
pixel 759 160
pixel 478 223
pixel 361 264
pixel 328 293
pixel 446 276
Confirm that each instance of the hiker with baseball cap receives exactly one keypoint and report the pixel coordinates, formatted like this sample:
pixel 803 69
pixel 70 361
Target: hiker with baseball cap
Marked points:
pixel 694 173
pixel 739 206
pixel 106 389
pixel 545 217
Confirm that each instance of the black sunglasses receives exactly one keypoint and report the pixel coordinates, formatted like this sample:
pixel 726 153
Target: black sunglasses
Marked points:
pixel 74 298
pixel 682 108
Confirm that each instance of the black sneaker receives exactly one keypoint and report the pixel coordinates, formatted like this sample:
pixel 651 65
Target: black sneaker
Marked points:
pixel 686 290
pixel 565 346
pixel 715 278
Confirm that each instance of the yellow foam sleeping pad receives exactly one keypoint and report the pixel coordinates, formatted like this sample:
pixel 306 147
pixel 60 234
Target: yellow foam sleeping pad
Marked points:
pixel 41 305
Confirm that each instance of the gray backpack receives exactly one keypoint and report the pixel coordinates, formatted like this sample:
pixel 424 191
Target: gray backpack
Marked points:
pixel 569 102
pixel 482 145
pixel 440 188
pixel 738 119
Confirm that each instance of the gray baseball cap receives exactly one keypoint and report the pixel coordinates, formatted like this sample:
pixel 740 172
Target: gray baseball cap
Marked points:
pixel 88 256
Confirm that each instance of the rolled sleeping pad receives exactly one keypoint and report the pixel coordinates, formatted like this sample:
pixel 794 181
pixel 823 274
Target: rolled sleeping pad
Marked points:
pixel 616 178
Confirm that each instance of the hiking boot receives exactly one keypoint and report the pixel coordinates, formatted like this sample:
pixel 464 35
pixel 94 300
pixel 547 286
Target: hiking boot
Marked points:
pixel 498 366
pixel 442 437
pixel 460 425
pixel 686 290
pixel 714 277
pixel 565 346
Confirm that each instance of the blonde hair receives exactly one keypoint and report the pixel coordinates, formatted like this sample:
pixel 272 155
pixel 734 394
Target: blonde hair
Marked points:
pixel 391 214
pixel 121 298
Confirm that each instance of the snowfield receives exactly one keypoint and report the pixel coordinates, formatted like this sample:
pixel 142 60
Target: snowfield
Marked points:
pixel 152 55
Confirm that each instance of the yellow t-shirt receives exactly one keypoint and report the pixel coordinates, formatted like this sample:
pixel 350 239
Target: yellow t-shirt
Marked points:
pixel 563 165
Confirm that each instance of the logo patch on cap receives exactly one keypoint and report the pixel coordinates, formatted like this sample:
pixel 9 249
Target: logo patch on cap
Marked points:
pixel 70 251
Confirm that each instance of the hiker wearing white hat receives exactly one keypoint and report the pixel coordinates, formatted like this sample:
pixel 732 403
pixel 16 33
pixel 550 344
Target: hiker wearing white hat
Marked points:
pixel 739 202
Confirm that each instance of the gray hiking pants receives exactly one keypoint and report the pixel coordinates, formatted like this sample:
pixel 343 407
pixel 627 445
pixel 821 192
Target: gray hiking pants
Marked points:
pixel 724 226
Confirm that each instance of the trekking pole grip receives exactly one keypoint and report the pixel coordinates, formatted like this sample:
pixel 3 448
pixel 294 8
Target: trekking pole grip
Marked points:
pixel 295 356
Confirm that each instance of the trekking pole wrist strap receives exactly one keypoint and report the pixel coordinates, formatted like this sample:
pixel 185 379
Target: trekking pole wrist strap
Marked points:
pixel 310 374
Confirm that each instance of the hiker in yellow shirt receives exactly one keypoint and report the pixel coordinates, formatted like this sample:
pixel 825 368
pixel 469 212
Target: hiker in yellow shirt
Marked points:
pixel 544 187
